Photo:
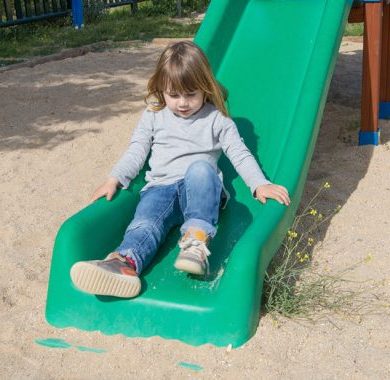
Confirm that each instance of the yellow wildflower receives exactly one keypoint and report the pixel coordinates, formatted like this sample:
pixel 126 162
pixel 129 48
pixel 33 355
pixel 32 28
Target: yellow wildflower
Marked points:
pixel 310 241
pixel 368 258
pixel 313 212
pixel 320 216
pixel 302 258
pixel 326 185
pixel 291 235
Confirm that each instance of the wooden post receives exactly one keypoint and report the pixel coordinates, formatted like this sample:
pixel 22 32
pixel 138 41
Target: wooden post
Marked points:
pixel 385 64
pixel 371 73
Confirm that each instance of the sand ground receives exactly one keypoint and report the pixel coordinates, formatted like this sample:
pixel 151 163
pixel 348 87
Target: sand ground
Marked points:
pixel 62 126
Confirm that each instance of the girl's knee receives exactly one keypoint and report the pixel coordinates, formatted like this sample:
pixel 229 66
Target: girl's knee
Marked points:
pixel 200 169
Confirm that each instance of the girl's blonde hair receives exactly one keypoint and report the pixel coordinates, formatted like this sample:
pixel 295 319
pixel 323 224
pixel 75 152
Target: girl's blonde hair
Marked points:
pixel 184 68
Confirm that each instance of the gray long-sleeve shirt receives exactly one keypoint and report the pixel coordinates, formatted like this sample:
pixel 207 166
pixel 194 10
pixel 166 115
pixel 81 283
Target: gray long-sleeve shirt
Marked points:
pixel 176 142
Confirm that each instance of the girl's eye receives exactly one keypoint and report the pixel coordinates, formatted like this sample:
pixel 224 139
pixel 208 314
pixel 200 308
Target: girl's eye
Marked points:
pixel 188 95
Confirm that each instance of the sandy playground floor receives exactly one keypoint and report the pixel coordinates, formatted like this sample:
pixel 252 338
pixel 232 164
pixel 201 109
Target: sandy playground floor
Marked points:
pixel 63 124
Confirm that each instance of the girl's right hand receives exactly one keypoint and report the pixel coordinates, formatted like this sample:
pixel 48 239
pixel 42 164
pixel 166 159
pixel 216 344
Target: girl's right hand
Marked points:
pixel 108 189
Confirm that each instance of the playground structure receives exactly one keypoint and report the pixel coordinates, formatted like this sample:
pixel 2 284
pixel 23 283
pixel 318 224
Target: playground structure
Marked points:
pixel 375 101
pixel 375 14
pixel 278 109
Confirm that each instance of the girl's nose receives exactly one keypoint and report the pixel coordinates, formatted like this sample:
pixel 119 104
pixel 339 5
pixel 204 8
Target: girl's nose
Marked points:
pixel 182 101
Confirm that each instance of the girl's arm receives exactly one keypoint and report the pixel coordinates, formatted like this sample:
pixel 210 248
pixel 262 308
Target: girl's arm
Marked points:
pixel 247 166
pixel 131 161
pixel 135 156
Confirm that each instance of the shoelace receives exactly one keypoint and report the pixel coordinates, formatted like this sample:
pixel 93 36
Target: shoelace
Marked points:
pixel 197 247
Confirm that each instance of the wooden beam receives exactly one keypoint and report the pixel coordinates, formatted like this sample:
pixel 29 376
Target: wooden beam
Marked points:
pixel 385 63
pixel 371 66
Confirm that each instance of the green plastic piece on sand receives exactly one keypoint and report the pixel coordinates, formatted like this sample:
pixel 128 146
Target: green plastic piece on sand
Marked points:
pixel 192 366
pixel 90 349
pixel 276 59
pixel 53 343
pixel 60 343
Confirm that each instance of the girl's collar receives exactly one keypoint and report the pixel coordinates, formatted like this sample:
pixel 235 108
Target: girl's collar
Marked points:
pixel 188 120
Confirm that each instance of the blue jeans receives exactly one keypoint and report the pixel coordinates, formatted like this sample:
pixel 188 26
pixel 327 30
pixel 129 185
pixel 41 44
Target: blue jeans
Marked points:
pixel 193 201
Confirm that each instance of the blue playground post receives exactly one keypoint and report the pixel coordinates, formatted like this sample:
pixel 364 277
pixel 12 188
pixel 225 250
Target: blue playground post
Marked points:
pixel 384 110
pixel 369 137
pixel 78 13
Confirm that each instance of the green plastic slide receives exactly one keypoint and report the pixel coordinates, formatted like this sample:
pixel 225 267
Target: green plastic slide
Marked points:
pixel 276 59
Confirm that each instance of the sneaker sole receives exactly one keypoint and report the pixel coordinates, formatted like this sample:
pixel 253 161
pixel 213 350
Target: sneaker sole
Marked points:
pixel 94 280
pixel 189 267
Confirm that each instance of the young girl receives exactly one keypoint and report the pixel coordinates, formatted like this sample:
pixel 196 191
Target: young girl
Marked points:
pixel 185 128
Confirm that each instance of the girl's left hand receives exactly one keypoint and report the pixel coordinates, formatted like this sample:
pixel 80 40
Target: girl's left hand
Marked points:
pixel 277 192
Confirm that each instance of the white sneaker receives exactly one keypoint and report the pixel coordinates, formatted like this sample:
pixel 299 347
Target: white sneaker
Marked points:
pixel 113 276
pixel 193 254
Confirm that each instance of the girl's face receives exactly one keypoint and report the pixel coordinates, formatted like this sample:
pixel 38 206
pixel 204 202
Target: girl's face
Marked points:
pixel 184 105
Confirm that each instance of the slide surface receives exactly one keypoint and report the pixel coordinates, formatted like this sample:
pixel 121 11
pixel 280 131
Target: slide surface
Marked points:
pixel 276 59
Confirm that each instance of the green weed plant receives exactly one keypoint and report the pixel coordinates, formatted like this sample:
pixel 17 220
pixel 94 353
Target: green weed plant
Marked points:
pixel 295 289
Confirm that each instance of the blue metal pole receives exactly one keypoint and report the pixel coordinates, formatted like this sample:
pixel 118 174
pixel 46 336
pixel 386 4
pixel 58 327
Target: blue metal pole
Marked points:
pixel 78 13
pixel 370 137
pixel 384 110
